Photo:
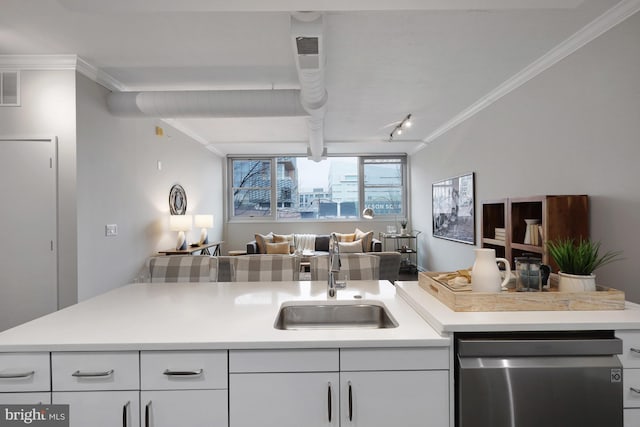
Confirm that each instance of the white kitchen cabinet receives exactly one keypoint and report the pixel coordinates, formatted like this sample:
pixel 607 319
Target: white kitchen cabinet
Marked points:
pixel 100 408
pixel 394 398
pixel 632 418
pixel 24 372
pixel 184 408
pixel 307 399
pixel 184 388
pixel 346 387
pixel 101 388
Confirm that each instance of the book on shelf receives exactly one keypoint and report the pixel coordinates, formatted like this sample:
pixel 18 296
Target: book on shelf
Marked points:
pixel 500 234
pixel 535 234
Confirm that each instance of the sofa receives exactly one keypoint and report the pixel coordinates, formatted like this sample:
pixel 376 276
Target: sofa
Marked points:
pixel 321 244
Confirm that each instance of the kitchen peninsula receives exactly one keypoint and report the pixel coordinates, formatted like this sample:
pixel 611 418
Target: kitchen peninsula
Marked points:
pixel 201 353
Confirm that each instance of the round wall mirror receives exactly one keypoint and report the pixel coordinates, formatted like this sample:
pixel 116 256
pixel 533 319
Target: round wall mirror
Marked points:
pixel 177 200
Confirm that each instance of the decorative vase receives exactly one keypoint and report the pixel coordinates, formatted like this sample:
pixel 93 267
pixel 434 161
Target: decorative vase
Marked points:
pixel 576 283
pixel 403 231
pixel 485 274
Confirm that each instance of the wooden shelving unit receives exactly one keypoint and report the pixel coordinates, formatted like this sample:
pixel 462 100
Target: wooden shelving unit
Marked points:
pixel 560 217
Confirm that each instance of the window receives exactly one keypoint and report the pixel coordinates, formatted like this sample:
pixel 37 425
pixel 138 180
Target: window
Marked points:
pixel 384 185
pixel 251 188
pixel 335 188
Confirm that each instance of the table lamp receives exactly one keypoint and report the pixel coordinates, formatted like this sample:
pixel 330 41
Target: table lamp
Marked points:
pixel 181 223
pixel 204 222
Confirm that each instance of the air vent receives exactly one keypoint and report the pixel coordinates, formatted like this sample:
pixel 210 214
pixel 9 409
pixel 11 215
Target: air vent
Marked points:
pixel 9 88
pixel 307 45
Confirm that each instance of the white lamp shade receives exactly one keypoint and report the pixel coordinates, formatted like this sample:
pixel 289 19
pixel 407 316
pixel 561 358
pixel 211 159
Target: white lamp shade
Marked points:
pixel 180 222
pixel 204 221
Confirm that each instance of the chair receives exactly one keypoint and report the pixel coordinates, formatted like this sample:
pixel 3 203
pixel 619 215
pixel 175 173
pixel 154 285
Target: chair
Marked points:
pixel 267 268
pixel 183 268
pixel 357 266
pixel 389 265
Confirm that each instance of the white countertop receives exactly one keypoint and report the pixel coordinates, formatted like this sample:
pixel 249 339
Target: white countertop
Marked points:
pixel 185 316
pixel 444 320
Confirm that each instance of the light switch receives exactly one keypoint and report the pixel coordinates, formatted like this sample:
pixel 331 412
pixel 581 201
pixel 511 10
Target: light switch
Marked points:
pixel 111 230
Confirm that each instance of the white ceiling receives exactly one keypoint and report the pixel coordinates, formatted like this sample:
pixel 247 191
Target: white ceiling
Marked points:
pixel 385 58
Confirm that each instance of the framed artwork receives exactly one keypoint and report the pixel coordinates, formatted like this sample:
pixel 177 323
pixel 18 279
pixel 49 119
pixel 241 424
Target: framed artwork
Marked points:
pixel 453 209
pixel 177 200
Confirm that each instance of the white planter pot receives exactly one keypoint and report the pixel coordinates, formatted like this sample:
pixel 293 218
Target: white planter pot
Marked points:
pixel 576 283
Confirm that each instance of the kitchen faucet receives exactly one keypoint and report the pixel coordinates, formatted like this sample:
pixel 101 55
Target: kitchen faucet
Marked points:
pixel 334 265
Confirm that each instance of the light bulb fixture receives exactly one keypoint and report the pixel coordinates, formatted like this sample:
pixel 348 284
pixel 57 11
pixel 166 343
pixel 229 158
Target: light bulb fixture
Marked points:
pixel 368 213
pixel 404 124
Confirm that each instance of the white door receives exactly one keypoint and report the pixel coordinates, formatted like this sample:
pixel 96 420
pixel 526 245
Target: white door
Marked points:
pixel 28 262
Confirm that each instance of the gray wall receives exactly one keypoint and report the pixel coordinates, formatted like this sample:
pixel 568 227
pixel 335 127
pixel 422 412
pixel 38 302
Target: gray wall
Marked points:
pixel 48 110
pixel 119 183
pixel 574 129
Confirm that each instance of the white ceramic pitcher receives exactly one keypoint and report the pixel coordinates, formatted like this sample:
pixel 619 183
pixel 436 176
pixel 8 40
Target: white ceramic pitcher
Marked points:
pixel 485 274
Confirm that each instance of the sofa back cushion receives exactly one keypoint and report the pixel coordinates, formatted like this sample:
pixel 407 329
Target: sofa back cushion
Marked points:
pixel 322 243
pixel 262 240
pixel 288 238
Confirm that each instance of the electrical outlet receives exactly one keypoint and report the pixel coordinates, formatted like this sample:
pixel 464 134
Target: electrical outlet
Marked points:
pixel 111 230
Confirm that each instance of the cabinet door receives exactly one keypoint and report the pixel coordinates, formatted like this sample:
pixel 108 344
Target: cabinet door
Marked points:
pixel 284 399
pixel 100 408
pixel 184 408
pixel 400 398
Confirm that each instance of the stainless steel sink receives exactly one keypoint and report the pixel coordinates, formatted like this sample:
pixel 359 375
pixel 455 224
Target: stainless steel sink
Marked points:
pixel 334 316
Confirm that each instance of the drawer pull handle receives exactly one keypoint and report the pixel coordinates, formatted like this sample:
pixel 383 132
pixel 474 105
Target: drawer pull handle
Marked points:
pixel 125 414
pixel 17 375
pixel 329 411
pixel 635 350
pixel 350 402
pixel 89 374
pixel 193 373
pixel 635 390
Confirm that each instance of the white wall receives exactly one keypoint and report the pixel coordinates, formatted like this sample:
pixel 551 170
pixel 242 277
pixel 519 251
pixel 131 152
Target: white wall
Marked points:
pixel 119 183
pixel 574 129
pixel 47 110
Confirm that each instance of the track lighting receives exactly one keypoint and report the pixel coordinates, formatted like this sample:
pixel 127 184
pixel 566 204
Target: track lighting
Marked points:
pixel 405 123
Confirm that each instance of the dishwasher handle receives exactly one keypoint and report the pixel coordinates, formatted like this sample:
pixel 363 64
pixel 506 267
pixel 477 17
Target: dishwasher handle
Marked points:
pixel 538 347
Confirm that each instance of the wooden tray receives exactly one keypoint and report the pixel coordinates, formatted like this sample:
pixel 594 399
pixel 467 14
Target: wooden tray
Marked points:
pixel 603 298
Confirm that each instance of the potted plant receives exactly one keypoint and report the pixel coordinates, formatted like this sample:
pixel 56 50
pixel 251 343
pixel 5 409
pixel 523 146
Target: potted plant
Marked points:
pixel 577 262
pixel 403 226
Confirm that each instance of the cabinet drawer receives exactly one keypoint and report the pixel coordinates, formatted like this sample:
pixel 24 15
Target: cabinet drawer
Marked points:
pixel 33 398
pixel 117 370
pixel 24 372
pixel 394 359
pixel 177 370
pixel 631 379
pixel 630 356
pixel 295 360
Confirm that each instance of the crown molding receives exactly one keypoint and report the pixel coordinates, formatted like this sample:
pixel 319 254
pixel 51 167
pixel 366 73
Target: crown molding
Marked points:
pixel 99 76
pixel 38 62
pixel 586 34
pixel 60 62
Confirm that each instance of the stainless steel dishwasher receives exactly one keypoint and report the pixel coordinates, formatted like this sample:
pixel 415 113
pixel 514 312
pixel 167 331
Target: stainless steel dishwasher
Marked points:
pixel 539 380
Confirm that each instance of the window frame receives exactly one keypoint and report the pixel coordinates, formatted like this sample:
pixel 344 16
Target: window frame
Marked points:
pixel 273 217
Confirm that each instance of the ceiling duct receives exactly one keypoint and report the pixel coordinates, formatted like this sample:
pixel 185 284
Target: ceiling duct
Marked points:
pixel 307 36
pixel 208 103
